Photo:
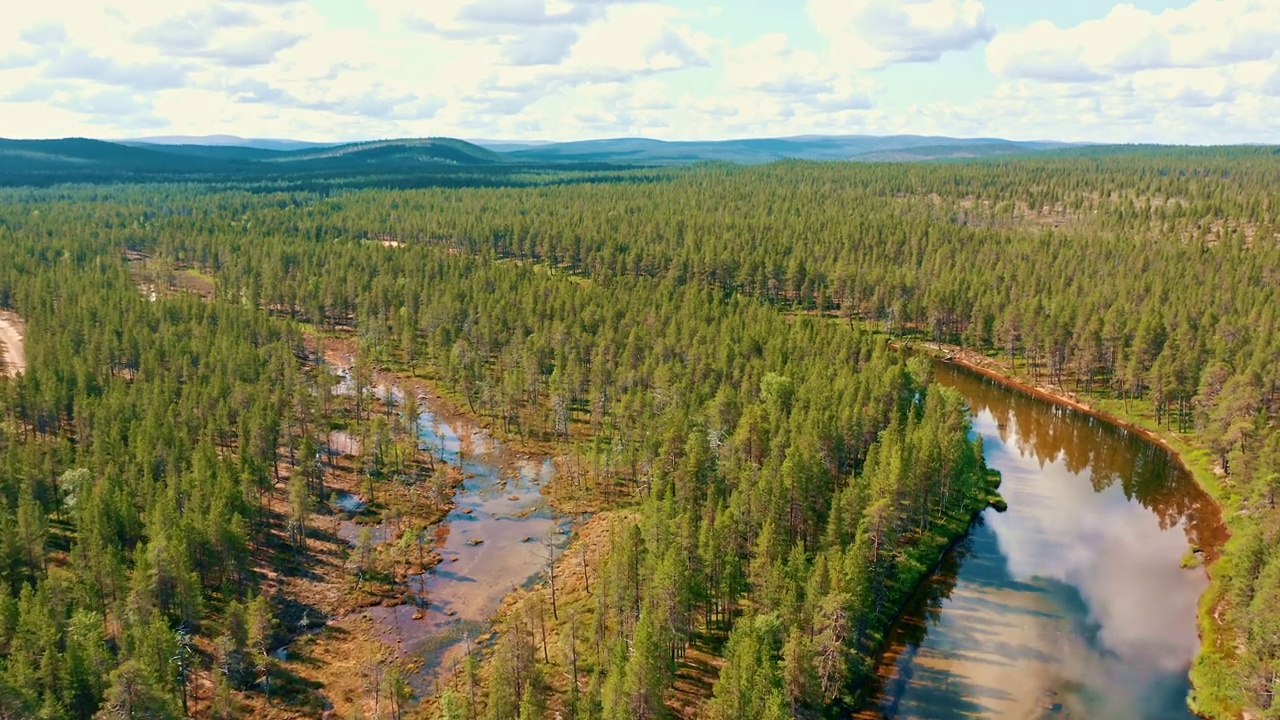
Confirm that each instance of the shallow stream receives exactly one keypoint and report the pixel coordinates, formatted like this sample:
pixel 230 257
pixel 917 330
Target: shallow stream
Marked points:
pixel 497 537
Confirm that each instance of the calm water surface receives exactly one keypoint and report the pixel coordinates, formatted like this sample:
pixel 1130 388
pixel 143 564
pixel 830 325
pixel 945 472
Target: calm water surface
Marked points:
pixel 494 540
pixel 1073 603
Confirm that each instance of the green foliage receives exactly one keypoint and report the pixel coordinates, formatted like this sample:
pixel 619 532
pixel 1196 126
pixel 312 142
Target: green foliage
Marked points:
pixel 750 685
pixel 789 480
pixel 135 693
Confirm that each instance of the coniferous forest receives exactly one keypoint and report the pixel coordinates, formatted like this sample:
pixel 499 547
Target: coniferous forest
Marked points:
pixel 719 350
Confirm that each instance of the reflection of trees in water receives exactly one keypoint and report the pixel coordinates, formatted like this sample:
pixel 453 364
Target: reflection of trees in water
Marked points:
pixel 923 610
pixel 1110 455
pixel 1147 473
pixel 927 603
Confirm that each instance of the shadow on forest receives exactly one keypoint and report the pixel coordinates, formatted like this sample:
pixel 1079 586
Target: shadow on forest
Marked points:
pixel 298 618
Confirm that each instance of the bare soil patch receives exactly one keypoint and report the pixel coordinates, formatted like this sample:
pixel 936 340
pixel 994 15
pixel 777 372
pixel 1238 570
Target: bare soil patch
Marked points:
pixel 13 357
pixel 157 278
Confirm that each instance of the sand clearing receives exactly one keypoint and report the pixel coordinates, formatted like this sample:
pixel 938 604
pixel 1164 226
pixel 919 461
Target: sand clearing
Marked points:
pixel 12 358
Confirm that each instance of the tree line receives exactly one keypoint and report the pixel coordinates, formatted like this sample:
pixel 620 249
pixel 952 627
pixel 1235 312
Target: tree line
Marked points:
pixel 665 315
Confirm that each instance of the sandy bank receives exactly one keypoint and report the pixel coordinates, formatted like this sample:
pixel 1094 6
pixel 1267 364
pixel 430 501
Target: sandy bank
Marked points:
pixel 13 358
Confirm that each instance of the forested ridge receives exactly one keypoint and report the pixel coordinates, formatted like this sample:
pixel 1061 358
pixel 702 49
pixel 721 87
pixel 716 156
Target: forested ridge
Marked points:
pixel 419 162
pixel 782 481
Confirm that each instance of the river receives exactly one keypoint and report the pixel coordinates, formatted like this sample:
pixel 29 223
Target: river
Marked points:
pixel 1073 603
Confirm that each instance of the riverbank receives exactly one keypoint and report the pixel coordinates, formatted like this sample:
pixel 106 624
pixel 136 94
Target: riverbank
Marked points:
pixel 1188 455
pixel 1215 659
pixel 958 532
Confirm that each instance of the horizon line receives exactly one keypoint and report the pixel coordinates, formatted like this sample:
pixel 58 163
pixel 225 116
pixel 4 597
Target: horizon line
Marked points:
pixel 181 139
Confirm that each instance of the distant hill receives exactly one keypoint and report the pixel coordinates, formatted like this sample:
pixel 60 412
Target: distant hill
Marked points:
pixel 444 161
pixel 81 155
pixel 386 153
pixel 761 150
pixel 959 151
pixel 213 152
pixel 505 146
pixel 44 162
pixel 646 151
pixel 227 141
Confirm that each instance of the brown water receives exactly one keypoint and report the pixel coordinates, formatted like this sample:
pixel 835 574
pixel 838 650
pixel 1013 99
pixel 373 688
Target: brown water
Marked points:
pixel 494 540
pixel 1073 603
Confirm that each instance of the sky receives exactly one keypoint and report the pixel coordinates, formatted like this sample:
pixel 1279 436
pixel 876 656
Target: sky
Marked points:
pixel 1168 71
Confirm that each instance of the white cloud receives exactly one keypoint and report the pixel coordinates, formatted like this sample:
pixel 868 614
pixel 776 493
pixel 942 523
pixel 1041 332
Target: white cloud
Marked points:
pixel 1044 52
pixel 771 66
pixel 1199 87
pixel 249 63
pixel 1209 106
pixel 1200 73
pixel 877 33
pixel 468 17
pixel 565 69
pixel 44 33
pixel 78 64
pixel 527 32
pixel 628 44
pixel 641 38
pixel 1206 33
pixel 541 48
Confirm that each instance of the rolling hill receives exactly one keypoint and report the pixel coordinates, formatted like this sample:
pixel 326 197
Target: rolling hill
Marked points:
pixel 44 162
pixel 441 161
pixel 762 150
pixel 637 151
pixel 387 153
pixel 228 141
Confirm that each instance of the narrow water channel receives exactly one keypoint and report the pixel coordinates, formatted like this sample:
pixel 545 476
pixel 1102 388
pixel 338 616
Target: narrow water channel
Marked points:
pixel 1073 603
pixel 498 537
